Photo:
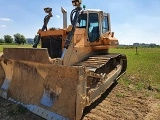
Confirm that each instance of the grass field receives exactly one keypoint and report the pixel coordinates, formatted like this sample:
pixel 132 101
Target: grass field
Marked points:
pixel 14 46
pixel 143 69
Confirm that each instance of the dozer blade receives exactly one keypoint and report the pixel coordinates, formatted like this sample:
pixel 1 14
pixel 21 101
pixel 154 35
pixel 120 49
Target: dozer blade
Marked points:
pixel 47 90
pixel 27 54
pixel 52 90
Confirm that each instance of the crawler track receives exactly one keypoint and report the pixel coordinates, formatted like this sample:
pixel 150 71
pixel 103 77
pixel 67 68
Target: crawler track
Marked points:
pixel 95 62
pixel 100 65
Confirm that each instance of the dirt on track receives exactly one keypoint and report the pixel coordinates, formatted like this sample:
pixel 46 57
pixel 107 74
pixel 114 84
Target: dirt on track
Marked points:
pixel 117 103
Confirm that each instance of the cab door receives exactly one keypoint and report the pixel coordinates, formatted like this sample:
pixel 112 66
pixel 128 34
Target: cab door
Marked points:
pixel 93 27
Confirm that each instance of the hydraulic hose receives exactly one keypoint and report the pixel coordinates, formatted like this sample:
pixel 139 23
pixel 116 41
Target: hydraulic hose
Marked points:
pixel 74 11
pixel 73 19
pixel 44 27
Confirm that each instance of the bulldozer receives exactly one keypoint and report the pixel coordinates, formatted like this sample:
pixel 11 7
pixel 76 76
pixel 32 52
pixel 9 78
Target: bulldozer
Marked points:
pixel 70 70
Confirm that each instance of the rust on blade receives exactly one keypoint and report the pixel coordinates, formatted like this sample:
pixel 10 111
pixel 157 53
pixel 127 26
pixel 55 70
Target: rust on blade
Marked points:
pixel 2 75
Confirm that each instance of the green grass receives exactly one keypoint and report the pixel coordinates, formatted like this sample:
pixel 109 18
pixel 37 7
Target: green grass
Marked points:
pixel 143 69
pixel 14 46
pixel 120 95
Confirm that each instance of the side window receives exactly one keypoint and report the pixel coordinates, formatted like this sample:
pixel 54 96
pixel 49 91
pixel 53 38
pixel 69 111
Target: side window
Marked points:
pixel 105 27
pixel 82 21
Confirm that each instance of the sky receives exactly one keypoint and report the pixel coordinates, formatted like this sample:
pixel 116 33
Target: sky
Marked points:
pixel 132 21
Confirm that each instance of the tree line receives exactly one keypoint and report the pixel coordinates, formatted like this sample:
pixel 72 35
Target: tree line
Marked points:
pixel 17 38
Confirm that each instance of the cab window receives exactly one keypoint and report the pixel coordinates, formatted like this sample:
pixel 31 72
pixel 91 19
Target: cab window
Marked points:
pixel 82 21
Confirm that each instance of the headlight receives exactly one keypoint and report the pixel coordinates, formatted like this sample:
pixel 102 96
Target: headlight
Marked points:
pixel 48 10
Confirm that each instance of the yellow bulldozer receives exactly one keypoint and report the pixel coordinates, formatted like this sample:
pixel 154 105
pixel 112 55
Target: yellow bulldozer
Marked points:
pixel 70 71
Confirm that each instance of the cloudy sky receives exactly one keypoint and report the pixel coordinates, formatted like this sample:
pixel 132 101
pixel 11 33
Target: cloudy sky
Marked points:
pixel 132 20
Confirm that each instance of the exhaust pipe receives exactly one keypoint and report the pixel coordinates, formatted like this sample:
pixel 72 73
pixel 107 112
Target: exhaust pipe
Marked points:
pixel 109 21
pixel 64 17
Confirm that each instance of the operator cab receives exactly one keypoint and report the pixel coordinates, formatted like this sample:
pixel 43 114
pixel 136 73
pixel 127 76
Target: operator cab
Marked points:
pixel 96 22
